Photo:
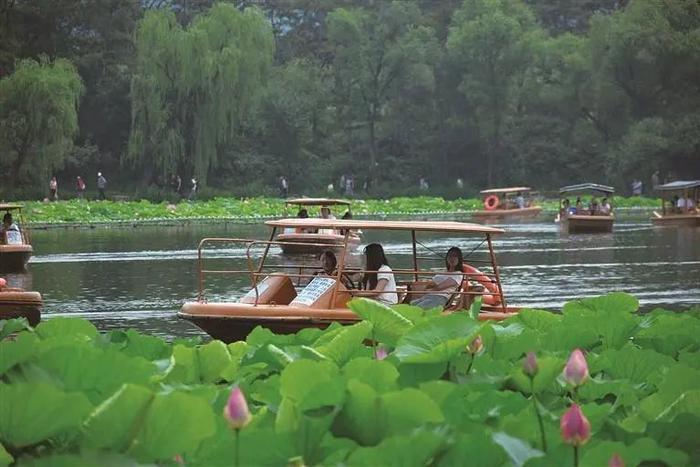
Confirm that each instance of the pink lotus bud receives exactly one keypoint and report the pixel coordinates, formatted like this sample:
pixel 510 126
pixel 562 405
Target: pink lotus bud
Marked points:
pixel 530 367
pixel 576 369
pixel 575 428
pixel 380 353
pixel 616 461
pixel 236 409
pixel 476 346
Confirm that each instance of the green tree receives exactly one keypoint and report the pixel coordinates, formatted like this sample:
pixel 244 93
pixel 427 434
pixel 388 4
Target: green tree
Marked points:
pixel 38 119
pixel 192 87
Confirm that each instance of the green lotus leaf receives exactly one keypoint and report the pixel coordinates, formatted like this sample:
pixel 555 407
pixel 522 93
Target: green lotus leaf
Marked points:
pixel 387 325
pixel 11 326
pixel 17 351
pixel 148 347
pixel 400 451
pixel 545 380
pixel 478 446
pixel 214 359
pixel 640 451
pixel 5 457
pixel 380 375
pixel 310 384
pixel 518 450
pixel 637 365
pixel 34 412
pixel 671 333
pixel 437 340
pixel 86 459
pixel 681 434
pixel 66 327
pixel 346 343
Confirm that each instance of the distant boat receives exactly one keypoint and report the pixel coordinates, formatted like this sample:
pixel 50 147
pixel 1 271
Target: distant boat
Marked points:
pixel 685 215
pixel 579 219
pixel 17 303
pixel 15 240
pixel 504 203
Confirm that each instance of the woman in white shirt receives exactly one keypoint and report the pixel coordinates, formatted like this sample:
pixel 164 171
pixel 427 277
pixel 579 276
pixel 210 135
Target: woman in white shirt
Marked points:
pixel 379 276
pixel 444 284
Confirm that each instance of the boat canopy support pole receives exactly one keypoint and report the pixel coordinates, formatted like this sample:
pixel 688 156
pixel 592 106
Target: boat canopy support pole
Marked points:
pixel 415 256
pixel 341 268
pixel 494 264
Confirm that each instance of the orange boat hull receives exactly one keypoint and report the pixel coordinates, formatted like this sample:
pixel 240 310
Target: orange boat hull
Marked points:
pixel 587 224
pixel 15 303
pixel 14 257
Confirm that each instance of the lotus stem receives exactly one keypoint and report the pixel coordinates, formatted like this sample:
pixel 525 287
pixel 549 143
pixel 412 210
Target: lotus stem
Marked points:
pixel 238 432
pixel 575 456
pixel 543 437
pixel 471 363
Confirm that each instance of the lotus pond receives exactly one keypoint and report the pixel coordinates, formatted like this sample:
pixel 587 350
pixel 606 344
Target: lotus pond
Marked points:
pixel 404 387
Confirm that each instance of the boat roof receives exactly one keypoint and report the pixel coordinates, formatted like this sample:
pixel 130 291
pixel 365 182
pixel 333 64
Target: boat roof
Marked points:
pixel 352 224
pixel 587 187
pixel 10 206
pixel 506 190
pixel 318 202
pixel 678 185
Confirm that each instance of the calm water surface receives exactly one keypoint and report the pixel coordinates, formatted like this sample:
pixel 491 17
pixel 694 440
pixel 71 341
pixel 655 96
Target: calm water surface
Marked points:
pixel 140 277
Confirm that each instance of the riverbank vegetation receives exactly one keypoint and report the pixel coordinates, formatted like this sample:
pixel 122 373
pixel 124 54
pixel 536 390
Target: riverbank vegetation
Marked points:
pixel 86 212
pixel 595 385
pixel 236 94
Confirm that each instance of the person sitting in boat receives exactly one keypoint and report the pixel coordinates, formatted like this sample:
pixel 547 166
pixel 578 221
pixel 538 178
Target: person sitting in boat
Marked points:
pixel 593 206
pixel 8 228
pixel 346 216
pixel 379 276
pixel 329 268
pixel 682 204
pixel 444 284
pixel 326 214
pixel 520 201
pixel 605 207
pixel 302 214
pixel 579 205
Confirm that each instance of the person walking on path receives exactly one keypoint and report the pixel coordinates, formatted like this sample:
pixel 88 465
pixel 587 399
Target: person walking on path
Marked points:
pixel 284 187
pixel 655 180
pixel 53 189
pixel 193 190
pixel 101 186
pixel 79 187
pixel 637 188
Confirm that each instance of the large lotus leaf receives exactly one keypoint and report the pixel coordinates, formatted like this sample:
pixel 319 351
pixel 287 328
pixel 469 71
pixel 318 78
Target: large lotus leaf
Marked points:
pixel 413 374
pixel 415 314
pixel 688 402
pixel 604 306
pixel 681 433
pixel 477 447
pixel 30 413
pixel 549 369
pixel 185 365
pixel 437 340
pixel 689 359
pixel 637 365
pixel 98 373
pixel 260 337
pixel 518 451
pixel 465 407
pixel 676 381
pixel 512 340
pixel 440 391
pixel 670 333
pixel 381 375
pixel 5 457
pixel 87 459
pixel 407 409
pixel 11 326
pixel 148 347
pixel 115 422
pixel 174 423
pixel 57 327
pixel 626 393
pixel 17 351
pixel 387 325
pixel 642 450
pixel 214 359
pixel 261 447
pixel 306 428
pixel 346 343
pixel 336 450
pixel 311 385
pixel 237 351
pixel 400 451
pixel 539 320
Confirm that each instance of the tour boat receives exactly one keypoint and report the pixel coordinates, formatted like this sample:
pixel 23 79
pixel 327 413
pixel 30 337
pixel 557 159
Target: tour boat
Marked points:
pixel 503 202
pixel 685 214
pixel 15 243
pixel 289 297
pixel 17 303
pixel 579 219
pixel 309 240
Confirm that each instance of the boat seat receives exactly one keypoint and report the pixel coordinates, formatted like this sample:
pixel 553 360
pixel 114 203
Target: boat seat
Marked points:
pixel 275 289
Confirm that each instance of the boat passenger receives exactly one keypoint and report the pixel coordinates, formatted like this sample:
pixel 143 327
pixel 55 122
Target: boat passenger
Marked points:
pixel 7 228
pixel 520 201
pixel 444 284
pixel 379 276
pixel 346 216
pixel 593 206
pixel 682 204
pixel 302 214
pixel 326 214
pixel 605 207
pixel 579 205
pixel 329 265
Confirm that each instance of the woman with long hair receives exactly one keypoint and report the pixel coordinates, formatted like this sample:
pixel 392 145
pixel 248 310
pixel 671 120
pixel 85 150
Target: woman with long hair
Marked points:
pixel 443 285
pixel 379 276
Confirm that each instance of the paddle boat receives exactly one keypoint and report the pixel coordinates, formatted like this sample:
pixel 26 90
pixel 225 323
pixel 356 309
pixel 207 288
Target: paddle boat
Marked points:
pixel 308 240
pixel 597 217
pixel 286 298
pixel 683 207
pixel 15 239
pixel 507 202
pixel 17 303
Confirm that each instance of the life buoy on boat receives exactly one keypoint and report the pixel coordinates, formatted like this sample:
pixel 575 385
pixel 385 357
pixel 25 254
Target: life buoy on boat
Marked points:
pixel 3 283
pixel 493 298
pixel 491 202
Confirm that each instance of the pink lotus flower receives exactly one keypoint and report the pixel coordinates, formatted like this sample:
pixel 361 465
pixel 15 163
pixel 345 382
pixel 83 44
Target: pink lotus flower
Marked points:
pixel 380 353
pixel 236 409
pixel 616 461
pixel 530 367
pixel 576 369
pixel 575 428
pixel 476 346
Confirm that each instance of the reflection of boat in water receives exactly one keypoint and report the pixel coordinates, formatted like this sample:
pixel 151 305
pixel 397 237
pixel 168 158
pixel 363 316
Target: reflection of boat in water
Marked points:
pixel 15 239
pixel 17 303
pixel 298 240
pixel 511 202
pixel 277 301
pixel 683 212
pixel 579 220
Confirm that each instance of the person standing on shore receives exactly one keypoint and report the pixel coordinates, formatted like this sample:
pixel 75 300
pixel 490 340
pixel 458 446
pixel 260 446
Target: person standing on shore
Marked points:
pixel 79 187
pixel 655 180
pixel 53 189
pixel 193 190
pixel 284 187
pixel 101 186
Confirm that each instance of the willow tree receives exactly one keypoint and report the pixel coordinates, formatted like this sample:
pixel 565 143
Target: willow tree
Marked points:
pixel 192 87
pixel 38 119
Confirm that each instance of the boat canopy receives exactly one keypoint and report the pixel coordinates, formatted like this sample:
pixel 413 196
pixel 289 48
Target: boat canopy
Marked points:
pixel 351 224
pixel 505 190
pixel 587 187
pixel 678 185
pixel 318 202
pixel 10 207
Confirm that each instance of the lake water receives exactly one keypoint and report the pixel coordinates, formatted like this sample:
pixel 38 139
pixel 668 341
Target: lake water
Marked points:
pixel 139 277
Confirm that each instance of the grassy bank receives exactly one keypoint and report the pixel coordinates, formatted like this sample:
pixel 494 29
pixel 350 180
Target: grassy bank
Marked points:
pixel 77 212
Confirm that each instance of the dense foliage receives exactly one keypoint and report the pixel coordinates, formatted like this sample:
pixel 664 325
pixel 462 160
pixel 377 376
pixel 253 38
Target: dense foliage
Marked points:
pixel 77 211
pixel 434 390
pixel 540 92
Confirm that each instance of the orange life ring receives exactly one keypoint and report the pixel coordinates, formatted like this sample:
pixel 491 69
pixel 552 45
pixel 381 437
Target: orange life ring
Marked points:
pixel 493 298
pixel 491 202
